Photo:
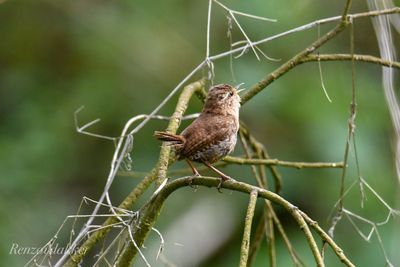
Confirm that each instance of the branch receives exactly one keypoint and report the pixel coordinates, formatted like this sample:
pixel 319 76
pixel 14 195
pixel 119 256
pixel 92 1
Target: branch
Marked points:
pixel 164 159
pixel 270 216
pixel 375 13
pixel 293 254
pixel 258 237
pixel 346 10
pixel 261 178
pixel 303 55
pixel 262 152
pixel 244 251
pixel 173 126
pixel 75 258
pixel 307 26
pixel 269 162
pixel 294 61
pixel 348 57
pixel 152 209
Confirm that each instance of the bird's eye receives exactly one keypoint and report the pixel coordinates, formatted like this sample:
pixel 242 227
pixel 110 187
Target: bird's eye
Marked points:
pixel 230 93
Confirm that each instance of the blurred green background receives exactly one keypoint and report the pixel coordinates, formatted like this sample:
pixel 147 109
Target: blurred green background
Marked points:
pixel 120 59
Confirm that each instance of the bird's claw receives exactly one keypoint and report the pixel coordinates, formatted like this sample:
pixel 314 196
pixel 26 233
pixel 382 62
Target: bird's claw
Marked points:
pixel 191 180
pixel 223 179
pixel 220 185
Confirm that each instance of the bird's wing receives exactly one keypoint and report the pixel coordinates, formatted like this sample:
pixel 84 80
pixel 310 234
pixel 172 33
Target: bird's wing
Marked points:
pixel 203 133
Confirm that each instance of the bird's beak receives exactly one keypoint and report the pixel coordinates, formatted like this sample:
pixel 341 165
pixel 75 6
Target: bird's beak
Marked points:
pixel 238 86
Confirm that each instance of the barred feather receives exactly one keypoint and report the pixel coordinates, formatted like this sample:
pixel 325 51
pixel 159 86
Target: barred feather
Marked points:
pixel 168 137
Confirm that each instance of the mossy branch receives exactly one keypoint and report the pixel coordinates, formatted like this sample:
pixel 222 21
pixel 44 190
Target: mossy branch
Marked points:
pixel 152 209
pixel 156 174
pixel 261 151
pixel 173 126
pixel 277 162
pixel 294 61
pixel 349 57
pixel 244 251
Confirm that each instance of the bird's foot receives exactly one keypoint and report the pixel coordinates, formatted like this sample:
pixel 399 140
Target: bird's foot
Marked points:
pixel 223 179
pixel 195 174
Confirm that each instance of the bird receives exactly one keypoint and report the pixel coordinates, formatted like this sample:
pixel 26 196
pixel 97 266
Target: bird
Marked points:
pixel 212 135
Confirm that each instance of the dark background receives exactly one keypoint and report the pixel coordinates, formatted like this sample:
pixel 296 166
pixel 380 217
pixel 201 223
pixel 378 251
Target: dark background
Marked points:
pixel 120 59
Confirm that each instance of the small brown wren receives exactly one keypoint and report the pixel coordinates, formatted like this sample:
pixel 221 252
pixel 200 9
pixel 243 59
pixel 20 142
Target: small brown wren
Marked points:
pixel 213 134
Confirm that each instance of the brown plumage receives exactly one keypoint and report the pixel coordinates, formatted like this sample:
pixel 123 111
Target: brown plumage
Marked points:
pixel 213 134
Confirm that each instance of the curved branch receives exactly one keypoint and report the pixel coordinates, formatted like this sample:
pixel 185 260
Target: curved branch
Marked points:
pixel 348 57
pixel 173 126
pixel 152 209
pixel 78 255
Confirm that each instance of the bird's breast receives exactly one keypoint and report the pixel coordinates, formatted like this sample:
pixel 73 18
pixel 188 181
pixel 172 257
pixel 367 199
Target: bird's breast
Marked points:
pixel 216 151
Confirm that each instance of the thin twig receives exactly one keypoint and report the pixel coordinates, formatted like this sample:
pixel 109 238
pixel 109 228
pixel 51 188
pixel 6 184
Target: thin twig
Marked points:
pixel 268 209
pixel 308 26
pixel 258 237
pixel 350 134
pixel 244 251
pixel 338 251
pixel 322 81
pixel 244 14
pixel 250 44
pixel 347 57
pixel 346 10
pixel 291 63
pixel 276 162
pixel 74 258
pixel 293 254
pixel 208 28
pixel 259 148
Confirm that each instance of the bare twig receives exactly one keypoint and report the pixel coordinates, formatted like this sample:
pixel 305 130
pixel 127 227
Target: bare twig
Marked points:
pixel 350 134
pixel 293 254
pixel 75 258
pixel 261 150
pixel 346 10
pixel 276 162
pixel 338 251
pixel 266 219
pixel 208 28
pixel 258 237
pixel 290 64
pixel 309 26
pixel 347 57
pixel 250 44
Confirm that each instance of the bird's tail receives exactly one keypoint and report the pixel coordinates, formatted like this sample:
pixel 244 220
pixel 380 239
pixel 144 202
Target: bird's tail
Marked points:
pixel 169 137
